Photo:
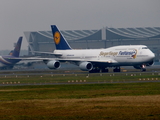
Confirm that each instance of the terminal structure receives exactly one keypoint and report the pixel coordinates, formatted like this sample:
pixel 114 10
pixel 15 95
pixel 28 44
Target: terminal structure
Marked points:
pixel 102 38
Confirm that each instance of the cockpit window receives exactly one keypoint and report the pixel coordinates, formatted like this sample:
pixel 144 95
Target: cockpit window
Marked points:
pixel 144 47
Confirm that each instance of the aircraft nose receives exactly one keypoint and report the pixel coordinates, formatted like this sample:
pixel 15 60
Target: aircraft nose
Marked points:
pixel 152 55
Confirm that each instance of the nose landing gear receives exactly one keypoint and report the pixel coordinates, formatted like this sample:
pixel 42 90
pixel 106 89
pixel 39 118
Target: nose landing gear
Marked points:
pixel 143 68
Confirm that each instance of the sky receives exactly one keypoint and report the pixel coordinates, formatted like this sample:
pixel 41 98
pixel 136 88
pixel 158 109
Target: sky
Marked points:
pixel 18 16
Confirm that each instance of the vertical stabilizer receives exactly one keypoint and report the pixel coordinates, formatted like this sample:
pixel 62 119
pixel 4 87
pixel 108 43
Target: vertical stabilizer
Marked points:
pixel 60 41
pixel 17 48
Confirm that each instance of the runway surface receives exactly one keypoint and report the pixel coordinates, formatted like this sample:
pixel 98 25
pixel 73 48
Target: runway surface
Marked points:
pixel 41 72
pixel 74 83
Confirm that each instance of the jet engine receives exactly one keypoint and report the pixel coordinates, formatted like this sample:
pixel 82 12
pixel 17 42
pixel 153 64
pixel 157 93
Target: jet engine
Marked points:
pixel 53 64
pixel 86 66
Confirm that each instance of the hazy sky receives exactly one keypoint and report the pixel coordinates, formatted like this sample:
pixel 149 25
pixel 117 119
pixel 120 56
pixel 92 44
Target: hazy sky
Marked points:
pixel 17 16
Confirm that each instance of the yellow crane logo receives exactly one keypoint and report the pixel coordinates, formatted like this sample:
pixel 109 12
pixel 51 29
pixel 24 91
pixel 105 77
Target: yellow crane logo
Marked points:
pixel 57 37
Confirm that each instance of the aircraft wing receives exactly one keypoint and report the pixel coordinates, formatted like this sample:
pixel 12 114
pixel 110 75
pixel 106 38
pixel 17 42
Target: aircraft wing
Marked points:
pixel 50 53
pixel 42 52
pixel 30 58
pixel 92 61
pixel 69 60
pixel 103 61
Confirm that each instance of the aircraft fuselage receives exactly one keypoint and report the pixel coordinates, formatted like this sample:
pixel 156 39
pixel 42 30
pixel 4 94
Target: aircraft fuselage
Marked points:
pixel 114 56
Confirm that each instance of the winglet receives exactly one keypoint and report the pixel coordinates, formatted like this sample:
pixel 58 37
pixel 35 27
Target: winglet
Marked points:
pixel 60 41
pixel 17 48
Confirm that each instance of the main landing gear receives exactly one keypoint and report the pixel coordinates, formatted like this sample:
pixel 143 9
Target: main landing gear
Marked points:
pixel 95 70
pixel 98 70
pixel 104 70
pixel 117 69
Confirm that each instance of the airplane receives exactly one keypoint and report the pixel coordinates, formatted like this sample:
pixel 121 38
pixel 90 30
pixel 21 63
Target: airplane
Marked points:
pixel 99 60
pixel 8 61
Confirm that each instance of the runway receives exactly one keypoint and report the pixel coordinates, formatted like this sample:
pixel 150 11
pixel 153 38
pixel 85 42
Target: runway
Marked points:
pixel 47 77
pixel 74 83
pixel 76 70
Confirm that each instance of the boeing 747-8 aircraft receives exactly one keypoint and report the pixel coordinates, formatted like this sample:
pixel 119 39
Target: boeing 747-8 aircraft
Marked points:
pixel 8 61
pixel 98 60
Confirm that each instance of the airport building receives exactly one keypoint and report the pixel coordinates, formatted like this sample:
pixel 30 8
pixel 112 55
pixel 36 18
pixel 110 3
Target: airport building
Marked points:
pixel 91 39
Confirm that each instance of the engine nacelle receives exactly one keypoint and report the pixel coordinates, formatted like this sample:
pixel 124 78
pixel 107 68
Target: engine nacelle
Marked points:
pixel 86 66
pixel 53 64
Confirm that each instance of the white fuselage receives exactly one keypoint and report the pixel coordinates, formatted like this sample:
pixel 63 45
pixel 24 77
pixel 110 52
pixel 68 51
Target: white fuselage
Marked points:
pixel 128 55
pixel 7 62
pixel 2 61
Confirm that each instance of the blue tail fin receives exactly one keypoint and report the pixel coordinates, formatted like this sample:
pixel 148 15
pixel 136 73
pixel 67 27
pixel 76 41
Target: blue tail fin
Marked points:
pixel 11 52
pixel 17 48
pixel 60 41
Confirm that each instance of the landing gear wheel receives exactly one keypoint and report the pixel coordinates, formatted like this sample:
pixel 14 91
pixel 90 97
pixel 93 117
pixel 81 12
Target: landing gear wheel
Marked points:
pixel 95 70
pixel 117 69
pixel 143 70
pixel 104 70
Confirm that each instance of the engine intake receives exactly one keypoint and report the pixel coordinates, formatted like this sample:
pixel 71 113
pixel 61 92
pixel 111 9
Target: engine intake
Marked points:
pixel 86 66
pixel 53 64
